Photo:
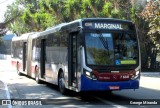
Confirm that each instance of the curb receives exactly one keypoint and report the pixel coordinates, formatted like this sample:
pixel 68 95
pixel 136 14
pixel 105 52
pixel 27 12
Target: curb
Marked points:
pixel 152 73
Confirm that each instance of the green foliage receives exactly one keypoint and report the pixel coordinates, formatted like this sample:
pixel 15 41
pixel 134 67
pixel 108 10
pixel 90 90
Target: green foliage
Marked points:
pixel 43 20
pixel 107 9
pixel 154 31
pixel 151 14
pixel 41 14
pixel 116 13
pixel 132 12
pixel 73 9
pixel 26 17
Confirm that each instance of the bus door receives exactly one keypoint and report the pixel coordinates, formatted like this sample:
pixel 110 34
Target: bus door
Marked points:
pixel 72 60
pixel 24 55
pixel 42 58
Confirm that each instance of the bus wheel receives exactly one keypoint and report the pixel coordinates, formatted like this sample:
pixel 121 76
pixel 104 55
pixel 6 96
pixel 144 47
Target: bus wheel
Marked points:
pixel 61 83
pixel 18 72
pixel 37 76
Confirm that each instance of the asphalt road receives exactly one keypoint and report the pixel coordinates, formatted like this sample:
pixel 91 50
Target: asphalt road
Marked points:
pixel 23 87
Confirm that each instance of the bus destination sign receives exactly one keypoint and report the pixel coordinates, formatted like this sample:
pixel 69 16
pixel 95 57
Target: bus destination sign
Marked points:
pixel 107 26
pixel 104 25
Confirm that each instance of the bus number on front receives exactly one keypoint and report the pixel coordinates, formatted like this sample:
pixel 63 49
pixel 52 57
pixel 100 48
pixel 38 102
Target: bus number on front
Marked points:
pixel 125 76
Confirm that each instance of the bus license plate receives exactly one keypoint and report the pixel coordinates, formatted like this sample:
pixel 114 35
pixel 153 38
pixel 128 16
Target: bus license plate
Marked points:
pixel 114 87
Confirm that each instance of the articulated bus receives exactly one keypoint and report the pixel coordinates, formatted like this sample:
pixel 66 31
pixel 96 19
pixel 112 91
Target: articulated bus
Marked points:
pixel 90 54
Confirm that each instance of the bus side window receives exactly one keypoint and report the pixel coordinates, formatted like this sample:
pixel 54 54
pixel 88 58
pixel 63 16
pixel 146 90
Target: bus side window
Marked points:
pixel 37 51
pixel 63 47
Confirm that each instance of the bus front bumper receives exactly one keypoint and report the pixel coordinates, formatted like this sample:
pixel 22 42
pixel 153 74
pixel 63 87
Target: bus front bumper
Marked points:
pixel 95 85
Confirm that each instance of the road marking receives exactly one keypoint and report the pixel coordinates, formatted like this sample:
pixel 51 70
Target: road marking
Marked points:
pixel 63 98
pixel 7 93
pixel 110 103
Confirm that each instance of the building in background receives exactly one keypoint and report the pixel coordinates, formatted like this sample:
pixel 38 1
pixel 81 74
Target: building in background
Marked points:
pixel 5 44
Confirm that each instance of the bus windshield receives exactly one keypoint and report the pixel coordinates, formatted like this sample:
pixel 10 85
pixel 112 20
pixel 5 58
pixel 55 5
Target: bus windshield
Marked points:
pixel 111 48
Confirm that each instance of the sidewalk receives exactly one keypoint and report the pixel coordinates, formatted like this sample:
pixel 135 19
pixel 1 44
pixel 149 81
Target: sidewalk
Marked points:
pixel 4 63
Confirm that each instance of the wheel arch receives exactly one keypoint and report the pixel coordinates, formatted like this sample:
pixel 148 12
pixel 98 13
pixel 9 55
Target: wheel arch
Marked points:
pixel 59 72
pixel 36 70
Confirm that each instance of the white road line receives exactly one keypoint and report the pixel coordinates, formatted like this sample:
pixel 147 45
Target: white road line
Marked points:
pixel 63 98
pixel 110 103
pixel 7 93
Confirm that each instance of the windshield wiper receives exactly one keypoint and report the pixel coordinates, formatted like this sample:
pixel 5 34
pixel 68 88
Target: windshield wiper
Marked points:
pixel 104 42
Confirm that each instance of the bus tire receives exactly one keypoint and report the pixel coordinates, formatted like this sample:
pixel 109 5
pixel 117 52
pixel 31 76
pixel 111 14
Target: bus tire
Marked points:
pixel 18 72
pixel 61 83
pixel 37 76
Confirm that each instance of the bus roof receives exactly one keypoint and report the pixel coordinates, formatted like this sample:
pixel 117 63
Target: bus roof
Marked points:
pixel 22 37
pixel 73 25
pixel 104 19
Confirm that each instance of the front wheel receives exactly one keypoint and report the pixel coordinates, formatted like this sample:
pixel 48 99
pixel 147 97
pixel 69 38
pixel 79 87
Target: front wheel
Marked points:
pixel 61 84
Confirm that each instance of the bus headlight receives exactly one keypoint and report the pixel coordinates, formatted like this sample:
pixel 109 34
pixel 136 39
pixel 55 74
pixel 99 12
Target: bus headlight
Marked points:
pixel 136 75
pixel 137 72
pixel 87 73
pixel 90 75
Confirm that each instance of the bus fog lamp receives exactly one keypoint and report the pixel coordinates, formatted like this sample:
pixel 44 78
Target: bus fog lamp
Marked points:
pixel 93 76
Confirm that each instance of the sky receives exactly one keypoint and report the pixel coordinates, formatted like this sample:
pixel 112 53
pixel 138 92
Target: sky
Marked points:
pixel 3 7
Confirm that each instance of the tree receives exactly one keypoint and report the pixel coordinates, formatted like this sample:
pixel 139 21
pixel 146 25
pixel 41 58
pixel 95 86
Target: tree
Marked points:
pixel 72 10
pixel 151 15
pixel 13 18
pixel 3 29
pixel 37 15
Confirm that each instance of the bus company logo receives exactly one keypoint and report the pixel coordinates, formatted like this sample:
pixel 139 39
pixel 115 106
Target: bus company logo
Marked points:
pixel 88 24
pixel 6 102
